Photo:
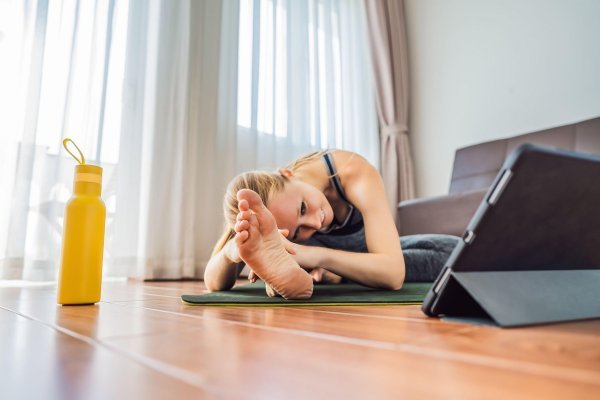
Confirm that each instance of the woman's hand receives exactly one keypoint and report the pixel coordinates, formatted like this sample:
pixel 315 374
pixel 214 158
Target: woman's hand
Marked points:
pixel 321 275
pixel 304 257
pixel 308 257
pixel 290 247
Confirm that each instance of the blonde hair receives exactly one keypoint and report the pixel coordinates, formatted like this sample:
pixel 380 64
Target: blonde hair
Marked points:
pixel 305 159
pixel 265 183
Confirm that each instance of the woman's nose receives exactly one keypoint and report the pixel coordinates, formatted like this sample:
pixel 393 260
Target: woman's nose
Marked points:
pixel 314 220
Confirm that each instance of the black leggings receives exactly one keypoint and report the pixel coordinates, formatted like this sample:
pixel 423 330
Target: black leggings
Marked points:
pixel 425 255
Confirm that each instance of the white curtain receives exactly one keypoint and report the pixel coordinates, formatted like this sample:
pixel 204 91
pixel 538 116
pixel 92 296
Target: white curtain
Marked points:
pixel 304 80
pixel 178 133
pixel 214 88
pixel 61 67
pixel 151 90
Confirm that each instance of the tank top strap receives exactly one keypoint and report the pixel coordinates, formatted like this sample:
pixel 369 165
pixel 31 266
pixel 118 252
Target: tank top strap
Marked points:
pixel 333 176
pixel 353 220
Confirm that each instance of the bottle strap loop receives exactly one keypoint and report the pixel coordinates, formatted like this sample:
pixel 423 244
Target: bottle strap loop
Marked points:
pixel 82 161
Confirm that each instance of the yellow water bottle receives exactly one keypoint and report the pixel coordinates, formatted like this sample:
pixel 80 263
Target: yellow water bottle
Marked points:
pixel 80 278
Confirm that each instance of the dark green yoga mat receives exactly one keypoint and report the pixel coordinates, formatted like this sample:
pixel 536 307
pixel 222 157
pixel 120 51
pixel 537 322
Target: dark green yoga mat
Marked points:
pixel 324 295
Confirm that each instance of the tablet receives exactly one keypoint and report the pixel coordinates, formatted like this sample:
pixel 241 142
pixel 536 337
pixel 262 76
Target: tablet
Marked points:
pixel 532 249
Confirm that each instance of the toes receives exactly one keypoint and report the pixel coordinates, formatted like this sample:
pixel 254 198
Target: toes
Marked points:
pixel 241 237
pixel 253 220
pixel 246 229
pixel 262 214
pixel 243 204
pixel 243 215
pixel 242 225
pixel 251 197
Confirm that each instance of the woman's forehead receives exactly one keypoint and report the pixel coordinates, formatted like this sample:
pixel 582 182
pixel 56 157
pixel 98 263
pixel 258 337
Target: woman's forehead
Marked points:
pixel 284 197
pixel 283 205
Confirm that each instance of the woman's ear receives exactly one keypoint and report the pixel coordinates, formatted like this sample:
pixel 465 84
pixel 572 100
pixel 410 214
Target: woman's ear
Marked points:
pixel 288 173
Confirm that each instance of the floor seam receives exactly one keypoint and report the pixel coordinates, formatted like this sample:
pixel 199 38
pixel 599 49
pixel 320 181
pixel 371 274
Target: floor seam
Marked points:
pixel 172 371
pixel 561 373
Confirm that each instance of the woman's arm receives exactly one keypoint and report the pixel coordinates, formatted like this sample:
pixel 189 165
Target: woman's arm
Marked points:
pixel 383 266
pixel 369 269
pixel 223 268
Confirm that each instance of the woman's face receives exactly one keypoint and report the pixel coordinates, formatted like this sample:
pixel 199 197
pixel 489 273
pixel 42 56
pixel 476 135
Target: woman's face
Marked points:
pixel 302 209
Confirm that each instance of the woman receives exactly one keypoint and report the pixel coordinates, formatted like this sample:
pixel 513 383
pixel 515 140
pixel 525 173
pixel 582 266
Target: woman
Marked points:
pixel 323 217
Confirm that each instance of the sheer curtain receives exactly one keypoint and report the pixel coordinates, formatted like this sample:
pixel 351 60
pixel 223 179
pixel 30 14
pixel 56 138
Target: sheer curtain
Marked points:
pixel 178 136
pixel 153 92
pixel 304 81
pixel 61 67
pixel 214 88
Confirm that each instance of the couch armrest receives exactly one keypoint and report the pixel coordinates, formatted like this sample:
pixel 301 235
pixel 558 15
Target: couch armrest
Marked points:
pixel 444 214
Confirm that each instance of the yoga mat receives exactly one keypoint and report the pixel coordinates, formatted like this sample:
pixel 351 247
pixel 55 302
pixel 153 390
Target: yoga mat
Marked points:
pixel 323 295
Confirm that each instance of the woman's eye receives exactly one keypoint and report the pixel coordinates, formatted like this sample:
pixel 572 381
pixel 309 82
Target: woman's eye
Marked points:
pixel 302 208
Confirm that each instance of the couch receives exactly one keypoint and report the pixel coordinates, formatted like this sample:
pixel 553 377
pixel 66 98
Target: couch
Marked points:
pixel 474 170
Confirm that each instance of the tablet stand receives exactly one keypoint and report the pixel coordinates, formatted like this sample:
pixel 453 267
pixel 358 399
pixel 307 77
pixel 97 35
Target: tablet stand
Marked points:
pixel 515 298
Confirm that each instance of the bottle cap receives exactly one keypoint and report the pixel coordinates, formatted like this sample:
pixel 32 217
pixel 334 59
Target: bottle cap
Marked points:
pixel 84 172
pixel 88 173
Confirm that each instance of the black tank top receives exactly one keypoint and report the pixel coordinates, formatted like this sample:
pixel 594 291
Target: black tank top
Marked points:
pixel 348 235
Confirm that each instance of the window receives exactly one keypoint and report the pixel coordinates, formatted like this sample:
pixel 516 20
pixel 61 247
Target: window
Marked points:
pixel 64 72
pixel 298 72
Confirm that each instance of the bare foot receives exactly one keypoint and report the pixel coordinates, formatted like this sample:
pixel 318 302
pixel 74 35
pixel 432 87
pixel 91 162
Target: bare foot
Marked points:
pixel 260 246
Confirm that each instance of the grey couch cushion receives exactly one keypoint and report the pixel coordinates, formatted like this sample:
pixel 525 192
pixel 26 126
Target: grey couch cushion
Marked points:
pixel 475 167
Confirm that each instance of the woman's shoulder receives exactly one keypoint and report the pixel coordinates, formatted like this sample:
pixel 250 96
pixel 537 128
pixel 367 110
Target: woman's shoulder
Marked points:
pixel 348 167
pixel 351 165
pixel 361 182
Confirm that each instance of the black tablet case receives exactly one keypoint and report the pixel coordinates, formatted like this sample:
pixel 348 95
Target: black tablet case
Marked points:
pixel 531 253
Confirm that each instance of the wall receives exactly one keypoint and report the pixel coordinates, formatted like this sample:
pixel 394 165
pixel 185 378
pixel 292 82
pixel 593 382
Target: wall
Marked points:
pixel 483 70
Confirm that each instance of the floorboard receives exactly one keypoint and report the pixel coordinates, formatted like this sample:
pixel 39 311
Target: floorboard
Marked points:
pixel 142 341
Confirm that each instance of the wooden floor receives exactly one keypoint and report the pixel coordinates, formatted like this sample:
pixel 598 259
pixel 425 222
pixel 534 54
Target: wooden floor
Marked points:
pixel 141 342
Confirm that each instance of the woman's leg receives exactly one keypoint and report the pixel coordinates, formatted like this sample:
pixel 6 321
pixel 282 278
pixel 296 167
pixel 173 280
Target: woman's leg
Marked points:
pixel 260 247
pixel 426 255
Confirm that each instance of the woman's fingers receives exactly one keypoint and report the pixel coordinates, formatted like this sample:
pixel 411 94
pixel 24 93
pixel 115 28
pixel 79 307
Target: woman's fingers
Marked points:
pixel 289 246
pixel 330 277
pixel 317 274
pixel 284 232
pixel 252 277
